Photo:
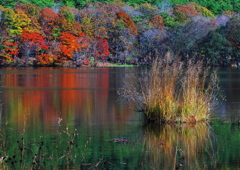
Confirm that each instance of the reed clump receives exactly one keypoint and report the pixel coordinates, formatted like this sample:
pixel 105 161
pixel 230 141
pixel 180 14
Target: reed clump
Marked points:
pixel 174 91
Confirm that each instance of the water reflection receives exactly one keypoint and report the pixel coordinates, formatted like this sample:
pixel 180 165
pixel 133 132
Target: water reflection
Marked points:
pixel 230 84
pixel 187 146
pixel 80 96
pixel 86 99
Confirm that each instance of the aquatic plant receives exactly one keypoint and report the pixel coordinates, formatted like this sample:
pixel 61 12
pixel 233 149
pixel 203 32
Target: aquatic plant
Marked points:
pixel 63 151
pixel 174 91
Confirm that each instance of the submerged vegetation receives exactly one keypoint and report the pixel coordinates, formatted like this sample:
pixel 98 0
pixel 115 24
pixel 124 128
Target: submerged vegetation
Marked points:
pixel 74 33
pixel 168 146
pixel 62 150
pixel 174 91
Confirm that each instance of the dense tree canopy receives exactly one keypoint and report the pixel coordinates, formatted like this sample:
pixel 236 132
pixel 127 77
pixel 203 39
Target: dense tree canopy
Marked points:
pixel 52 32
pixel 216 6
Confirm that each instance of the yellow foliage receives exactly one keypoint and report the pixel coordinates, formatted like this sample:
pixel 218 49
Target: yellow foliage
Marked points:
pixel 229 13
pixel 20 19
pixel 201 10
pixel 1 8
pixel 119 3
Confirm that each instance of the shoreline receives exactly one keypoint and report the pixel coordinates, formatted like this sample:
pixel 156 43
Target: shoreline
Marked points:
pixel 86 63
pixel 71 64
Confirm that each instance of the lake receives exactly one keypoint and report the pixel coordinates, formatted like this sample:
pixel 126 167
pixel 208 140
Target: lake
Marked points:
pixel 66 118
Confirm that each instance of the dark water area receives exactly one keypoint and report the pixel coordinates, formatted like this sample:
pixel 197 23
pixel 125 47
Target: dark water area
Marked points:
pixel 65 118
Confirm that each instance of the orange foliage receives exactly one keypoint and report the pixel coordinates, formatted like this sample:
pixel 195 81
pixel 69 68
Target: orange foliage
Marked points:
pixel 34 39
pixel 33 12
pixel 66 18
pixel 29 9
pixel 128 22
pixel 11 48
pixel 187 10
pixel 48 16
pixel 157 21
pixel 63 23
pixel 45 59
pixel 1 8
pixel 76 28
pixel 229 13
pixel 93 22
pixel 48 20
pixel 34 26
pixel 71 43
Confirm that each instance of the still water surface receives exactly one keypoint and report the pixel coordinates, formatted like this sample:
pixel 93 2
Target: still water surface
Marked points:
pixel 63 118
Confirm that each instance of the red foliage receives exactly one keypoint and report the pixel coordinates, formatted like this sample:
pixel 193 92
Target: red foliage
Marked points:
pixel 71 43
pixel 44 59
pixel 49 17
pixel 11 48
pixel 85 61
pixel 102 48
pixel 34 39
pixel 128 22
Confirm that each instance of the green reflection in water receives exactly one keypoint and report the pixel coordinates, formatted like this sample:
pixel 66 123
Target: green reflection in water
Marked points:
pixel 228 140
pixel 70 147
pixel 187 146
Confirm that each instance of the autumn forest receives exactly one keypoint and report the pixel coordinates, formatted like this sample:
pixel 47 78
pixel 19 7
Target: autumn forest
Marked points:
pixel 71 33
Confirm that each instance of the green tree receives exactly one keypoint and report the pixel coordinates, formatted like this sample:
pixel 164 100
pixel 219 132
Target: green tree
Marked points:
pixel 216 48
pixel 168 20
pixel 233 35
pixel 41 3
pixel 8 3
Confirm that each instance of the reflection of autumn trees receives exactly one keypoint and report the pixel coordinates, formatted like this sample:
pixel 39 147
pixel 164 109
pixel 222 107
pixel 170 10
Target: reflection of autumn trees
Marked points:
pixel 47 94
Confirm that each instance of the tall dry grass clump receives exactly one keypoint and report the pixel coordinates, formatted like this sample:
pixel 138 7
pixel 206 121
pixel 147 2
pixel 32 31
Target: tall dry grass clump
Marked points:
pixel 173 91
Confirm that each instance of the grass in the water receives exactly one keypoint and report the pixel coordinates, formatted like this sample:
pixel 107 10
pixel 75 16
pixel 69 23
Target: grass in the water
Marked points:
pixel 173 91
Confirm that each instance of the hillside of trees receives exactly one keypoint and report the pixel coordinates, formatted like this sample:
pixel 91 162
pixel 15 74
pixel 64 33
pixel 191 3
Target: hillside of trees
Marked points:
pixel 73 33
pixel 216 6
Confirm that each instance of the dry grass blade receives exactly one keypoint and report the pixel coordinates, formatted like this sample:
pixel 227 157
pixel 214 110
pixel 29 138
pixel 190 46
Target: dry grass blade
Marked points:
pixel 174 91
